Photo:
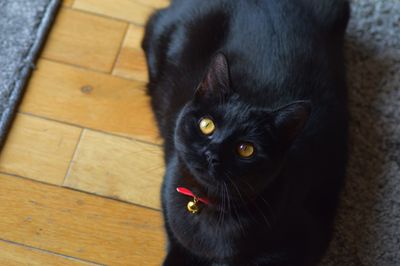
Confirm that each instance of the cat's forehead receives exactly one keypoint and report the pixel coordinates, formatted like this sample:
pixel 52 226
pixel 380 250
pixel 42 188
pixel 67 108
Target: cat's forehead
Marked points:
pixel 235 112
pixel 236 118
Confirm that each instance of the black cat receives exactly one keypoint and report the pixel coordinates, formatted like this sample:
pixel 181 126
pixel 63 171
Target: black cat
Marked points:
pixel 250 98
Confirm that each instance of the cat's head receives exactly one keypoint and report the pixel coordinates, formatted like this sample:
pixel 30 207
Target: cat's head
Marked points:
pixel 222 139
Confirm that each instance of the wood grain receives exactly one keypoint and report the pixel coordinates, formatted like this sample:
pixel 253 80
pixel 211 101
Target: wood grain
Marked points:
pixel 79 225
pixel 154 3
pixel 39 149
pixel 90 99
pixel 131 62
pixel 128 10
pixel 85 117
pixel 67 2
pixel 16 255
pixel 117 167
pixel 86 40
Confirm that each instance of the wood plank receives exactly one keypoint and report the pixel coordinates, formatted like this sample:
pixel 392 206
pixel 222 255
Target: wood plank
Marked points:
pixel 128 10
pixel 68 3
pixel 79 225
pixel 86 40
pixel 16 255
pixel 117 167
pixel 90 99
pixel 154 3
pixel 39 149
pixel 131 62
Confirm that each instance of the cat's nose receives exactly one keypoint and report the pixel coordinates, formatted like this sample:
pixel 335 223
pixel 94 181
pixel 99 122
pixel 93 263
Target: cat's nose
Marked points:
pixel 212 158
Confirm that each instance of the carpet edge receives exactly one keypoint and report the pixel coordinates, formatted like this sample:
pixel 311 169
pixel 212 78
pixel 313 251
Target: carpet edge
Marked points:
pixel 23 75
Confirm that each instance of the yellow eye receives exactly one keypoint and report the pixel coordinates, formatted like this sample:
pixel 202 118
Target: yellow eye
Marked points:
pixel 207 126
pixel 245 150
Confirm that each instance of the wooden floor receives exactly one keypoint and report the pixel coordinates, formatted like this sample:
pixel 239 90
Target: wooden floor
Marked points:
pixel 81 169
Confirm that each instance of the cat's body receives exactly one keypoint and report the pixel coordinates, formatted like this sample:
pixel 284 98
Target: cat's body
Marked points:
pixel 282 56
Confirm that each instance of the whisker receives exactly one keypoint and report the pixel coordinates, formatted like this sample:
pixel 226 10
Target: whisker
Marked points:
pixel 244 182
pixel 228 197
pixel 271 210
pixel 262 213
pixel 223 206
pixel 238 191
pixel 235 207
pixel 222 209
pixel 255 204
pixel 263 200
pixel 219 208
pixel 239 220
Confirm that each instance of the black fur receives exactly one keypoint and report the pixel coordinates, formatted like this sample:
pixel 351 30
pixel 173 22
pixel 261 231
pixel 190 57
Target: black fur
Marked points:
pixel 269 72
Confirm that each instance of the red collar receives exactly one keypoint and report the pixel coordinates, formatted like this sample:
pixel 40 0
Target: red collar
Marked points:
pixel 187 192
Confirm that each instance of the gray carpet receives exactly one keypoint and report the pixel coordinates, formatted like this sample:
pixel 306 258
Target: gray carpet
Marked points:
pixel 368 226
pixel 23 26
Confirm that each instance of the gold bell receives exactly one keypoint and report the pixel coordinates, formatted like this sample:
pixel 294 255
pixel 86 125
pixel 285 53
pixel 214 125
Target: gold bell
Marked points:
pixel 193 206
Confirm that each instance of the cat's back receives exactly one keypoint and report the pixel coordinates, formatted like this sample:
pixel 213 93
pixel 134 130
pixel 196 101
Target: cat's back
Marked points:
pixel 288 49
pixel 266 36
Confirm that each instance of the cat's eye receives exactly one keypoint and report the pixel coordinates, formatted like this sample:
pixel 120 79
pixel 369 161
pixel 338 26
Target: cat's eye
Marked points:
pixel 206 126
pixel 245 149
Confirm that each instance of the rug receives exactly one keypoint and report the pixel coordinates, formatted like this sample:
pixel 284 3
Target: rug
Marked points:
pixel 367 229
pixel 23 27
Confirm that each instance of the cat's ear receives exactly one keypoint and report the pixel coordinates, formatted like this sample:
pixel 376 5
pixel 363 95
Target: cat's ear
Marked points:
pixel 290 120
pixel 215 84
